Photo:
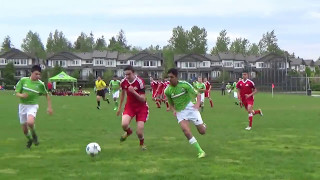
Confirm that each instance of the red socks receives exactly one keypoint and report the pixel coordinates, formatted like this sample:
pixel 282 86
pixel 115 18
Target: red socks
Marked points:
pixel 129 131
pixel 211 103
pixel 250 119
pixel 141 141
pixel 256 112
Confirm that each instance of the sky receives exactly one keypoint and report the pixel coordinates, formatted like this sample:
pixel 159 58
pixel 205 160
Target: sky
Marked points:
pixel 150 22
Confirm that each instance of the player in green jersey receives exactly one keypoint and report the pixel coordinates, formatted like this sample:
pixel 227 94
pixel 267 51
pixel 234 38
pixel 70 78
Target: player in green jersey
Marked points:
pixel 201 88
pixel 114 86
pixel 28 89
pixel 180 95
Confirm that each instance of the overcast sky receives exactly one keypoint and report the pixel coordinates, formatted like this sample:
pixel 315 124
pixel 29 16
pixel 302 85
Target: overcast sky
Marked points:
pixel 146 22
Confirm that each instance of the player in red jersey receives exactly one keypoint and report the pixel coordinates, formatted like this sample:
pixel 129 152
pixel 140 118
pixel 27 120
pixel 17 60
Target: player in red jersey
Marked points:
pixel 154 86
pixel 159 92
pixel 246 90
pixel 164 98
pixel 208 90
pixel 136 105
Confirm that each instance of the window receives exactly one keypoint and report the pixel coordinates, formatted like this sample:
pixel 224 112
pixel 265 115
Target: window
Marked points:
pixel 132 63
pixel 215 74
pixel 3 61
pixel 88 62
pixel 238 64
pixel 110 63
pixel 228 64
pixel 76 62
pixel 123 62
pixel 60 63
pixel 150 63
pixel 18 73
pixel 281 65
pixel 215 63
pixel 23 61
pixel 205 64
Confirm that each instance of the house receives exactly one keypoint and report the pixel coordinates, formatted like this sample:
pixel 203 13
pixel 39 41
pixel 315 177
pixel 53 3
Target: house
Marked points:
pixel 21 61
pixel 297 64
pixel 310 63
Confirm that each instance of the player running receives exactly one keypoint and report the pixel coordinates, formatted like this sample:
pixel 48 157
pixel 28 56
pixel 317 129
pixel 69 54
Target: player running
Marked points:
pixel 246 91
pixel 100 86
pixel 28 89
pixel 208 90
pixel 136 105
pixel 180 95
pixel 201 88
pixel 154 86
pixel 114 87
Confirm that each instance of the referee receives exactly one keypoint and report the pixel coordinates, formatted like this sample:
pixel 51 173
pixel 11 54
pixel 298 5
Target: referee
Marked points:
pixel 100 86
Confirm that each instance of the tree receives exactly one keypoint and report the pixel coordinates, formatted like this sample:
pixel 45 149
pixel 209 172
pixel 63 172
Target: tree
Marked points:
pixel 56 70
pixel 239 46
pixel 107 76
pixel 197 40
pixel 317 70
pixel 222 43
pixel 76 73
pixel 268 44
pixel 84 43
pixel 57 43
pixel 121 39
pixel 100 44
pixel 32 45
pixel 119 43
pixel 308 72
pixel 168 57
pixel 45 75
pixel 90 80
pixel 253 49
pixel 6 45
pixel 8 74
pixel 179 40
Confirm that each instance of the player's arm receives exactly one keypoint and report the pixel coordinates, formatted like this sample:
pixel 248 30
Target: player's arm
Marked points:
pixel 19 90
pixel 140 97
pixel 202 89
pixel 158 89
pixel 49 109
pixel 122 96
pixel 254 91
pixel 209 87
pixel 238 92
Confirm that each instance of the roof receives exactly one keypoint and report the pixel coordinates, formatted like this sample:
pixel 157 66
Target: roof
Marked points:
pixel 99 54
pixel 144 55
pixel 252 58
pixel 270 56
pixel 317 63
pixel 296 61
pixel 64 55
pixel 124 56
pixel 191 58
pixel 212 57
pixel 16 54
pixel 226 56
pixel 112 54
pixel 85 55
pixel 309 62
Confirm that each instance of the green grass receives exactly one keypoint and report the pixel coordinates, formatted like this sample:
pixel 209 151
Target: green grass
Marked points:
pixel 284 144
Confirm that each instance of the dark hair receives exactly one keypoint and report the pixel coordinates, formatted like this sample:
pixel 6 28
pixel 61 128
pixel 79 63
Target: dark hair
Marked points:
pixel 173 71
pixel 129 68
pixel 115 76
pixel 245 71
pixel 35 68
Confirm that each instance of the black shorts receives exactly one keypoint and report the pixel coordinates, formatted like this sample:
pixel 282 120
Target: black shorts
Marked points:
pixel 101 93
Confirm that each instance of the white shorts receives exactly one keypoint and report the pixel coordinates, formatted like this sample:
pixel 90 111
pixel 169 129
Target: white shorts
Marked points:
pixel 25 110
pixel 116 94
pixel 202 97
pixel 235 95
pixel 190 114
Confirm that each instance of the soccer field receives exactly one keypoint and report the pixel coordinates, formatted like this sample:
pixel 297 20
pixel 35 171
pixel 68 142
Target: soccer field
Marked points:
pixel 283 144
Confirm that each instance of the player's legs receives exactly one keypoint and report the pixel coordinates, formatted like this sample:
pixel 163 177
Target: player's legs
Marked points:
pixel 31 126
pixel 103 95
pixel 184 124
pixel 98 101
pixel 201 128
pixel 126 119
pixel 115 99
pixel 250 115
pixel 140 128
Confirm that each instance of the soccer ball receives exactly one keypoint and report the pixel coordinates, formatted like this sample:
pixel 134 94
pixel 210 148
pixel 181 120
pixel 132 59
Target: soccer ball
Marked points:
pixel 93 149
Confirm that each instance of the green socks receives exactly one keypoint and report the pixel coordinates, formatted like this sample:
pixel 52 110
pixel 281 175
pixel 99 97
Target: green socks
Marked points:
pixel 194 142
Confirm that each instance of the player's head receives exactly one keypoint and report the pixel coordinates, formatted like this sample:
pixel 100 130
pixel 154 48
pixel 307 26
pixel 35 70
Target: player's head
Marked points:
pixel 205 79
pixel 35 72
pixel 98 78
pixel 173 76
pixel 115 77
pixel 129 73
pixel 199 79
pixel 245 74
pixel 151 79
pixel 240 79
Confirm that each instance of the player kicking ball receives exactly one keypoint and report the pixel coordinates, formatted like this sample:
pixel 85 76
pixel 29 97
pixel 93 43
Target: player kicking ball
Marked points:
pixel 180 95
pixel 136 105
pixel 28 89
pixel 246 91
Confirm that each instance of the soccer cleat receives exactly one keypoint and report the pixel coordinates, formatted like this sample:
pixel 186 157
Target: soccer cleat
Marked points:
pixel 124 136
pixel 29 144
pixel 35 140
pixel 202 155
pixel 248 128
pixel 98 107
pixel 261 114
pixel 236 103
pixel 143 147
pixel 108 100
pixel 115 108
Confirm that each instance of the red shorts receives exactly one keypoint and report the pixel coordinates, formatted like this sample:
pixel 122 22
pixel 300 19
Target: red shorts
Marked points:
pixel 141 113
pixel 247 102
pixel 207 94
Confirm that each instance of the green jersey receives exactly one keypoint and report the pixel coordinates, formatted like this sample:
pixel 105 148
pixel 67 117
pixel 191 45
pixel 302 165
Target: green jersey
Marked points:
pixel 114 85
pixel 198 85
pixel 234 87
pixel 228 86
pixel 34 89
pixel 180 95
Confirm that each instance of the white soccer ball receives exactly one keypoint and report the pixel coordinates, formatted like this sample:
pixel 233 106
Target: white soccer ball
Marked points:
pixel 93 149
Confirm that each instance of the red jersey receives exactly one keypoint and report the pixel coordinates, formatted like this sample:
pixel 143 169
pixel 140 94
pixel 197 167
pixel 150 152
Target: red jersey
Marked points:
pixel 154 86
pixel 160 88
pixel 207 85
pixel 245 87
pixel 165 85
pixel 138 86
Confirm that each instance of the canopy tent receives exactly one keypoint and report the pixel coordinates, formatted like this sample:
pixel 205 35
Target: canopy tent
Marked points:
pixel 64 77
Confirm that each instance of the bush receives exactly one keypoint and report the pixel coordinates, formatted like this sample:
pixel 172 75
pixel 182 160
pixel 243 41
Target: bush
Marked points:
pixel 9 87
